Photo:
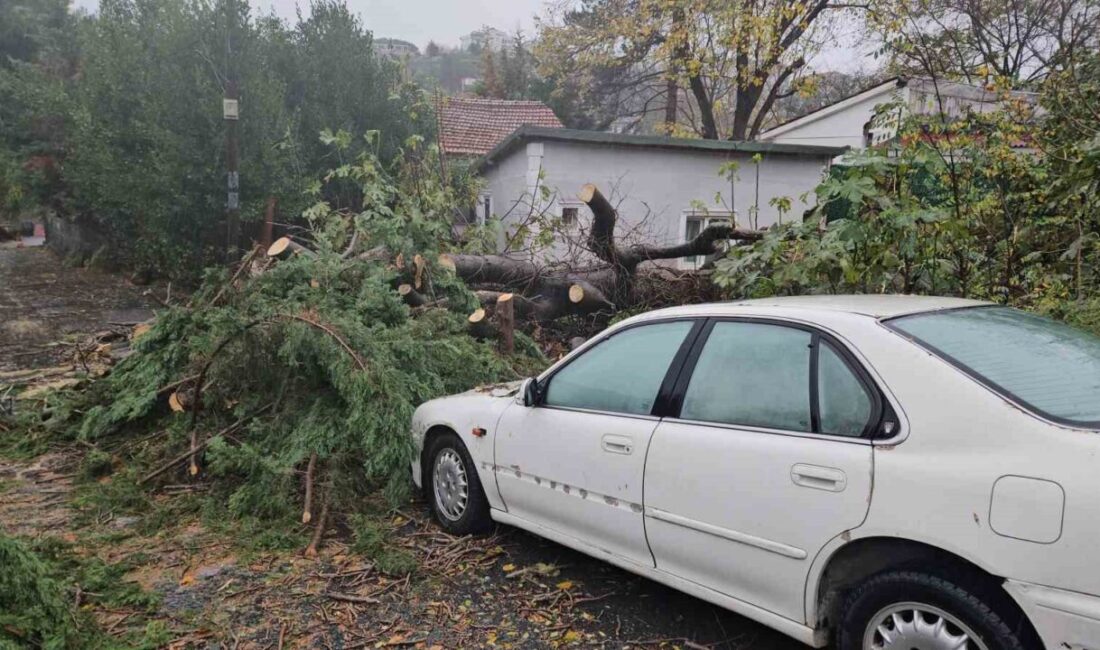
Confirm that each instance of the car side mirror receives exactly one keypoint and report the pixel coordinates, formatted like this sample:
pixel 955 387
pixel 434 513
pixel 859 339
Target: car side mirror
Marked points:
pixel 530 391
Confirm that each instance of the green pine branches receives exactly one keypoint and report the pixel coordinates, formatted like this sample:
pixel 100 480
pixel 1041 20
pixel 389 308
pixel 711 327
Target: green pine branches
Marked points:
pixel 290 386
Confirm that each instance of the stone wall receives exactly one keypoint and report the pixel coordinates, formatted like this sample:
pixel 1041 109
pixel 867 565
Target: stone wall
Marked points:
pixel 73 240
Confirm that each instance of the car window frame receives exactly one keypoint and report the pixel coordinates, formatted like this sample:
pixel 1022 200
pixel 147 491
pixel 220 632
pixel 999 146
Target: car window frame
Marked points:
pixel 982 380
pixel 668 382
pixel 880 407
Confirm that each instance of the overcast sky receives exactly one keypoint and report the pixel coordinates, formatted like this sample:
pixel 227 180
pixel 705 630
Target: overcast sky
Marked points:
pixel 444 21
pixel 419 21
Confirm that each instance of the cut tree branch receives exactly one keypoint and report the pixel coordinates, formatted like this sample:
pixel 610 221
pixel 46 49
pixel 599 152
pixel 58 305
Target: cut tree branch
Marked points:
pixel 602 237
pixel 703 244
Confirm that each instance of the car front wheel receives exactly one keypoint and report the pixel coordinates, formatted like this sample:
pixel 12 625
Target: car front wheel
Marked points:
pixel 453 488
pixel 908 610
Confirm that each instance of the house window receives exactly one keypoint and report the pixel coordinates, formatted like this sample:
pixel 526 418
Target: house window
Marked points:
pixel 693 225
pixel 487 210
pixel 568 217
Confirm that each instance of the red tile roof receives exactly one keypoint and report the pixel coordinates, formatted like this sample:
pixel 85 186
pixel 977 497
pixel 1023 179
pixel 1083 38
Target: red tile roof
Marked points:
pixel 473 126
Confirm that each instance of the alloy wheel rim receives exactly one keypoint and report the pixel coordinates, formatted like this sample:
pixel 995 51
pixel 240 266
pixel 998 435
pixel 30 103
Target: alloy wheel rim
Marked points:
pixel 917 626
pixel 451 486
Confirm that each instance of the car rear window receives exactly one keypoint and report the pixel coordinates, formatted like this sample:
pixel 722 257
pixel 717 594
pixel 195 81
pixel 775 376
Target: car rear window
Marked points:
pixel 1049 368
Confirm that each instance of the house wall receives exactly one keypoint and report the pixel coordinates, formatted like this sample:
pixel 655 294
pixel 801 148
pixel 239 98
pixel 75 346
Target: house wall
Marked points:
pixel 511 187
pixel 843 123
pixel 655 189
pixel 844 128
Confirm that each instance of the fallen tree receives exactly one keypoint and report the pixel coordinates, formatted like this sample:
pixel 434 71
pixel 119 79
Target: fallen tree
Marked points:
pixel 285 386
pixel 288 384
pixel 546 292
pixel 550 292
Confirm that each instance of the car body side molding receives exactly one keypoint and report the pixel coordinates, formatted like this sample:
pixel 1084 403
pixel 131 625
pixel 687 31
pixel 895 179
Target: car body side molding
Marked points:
pixel 725 533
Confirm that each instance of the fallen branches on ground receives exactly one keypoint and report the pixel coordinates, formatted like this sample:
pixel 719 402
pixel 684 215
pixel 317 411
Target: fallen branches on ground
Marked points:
pixel 304 364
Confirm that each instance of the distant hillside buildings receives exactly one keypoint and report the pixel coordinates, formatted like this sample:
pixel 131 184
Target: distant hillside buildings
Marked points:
pixel 485 38
pixel 395 48
pixel 480 39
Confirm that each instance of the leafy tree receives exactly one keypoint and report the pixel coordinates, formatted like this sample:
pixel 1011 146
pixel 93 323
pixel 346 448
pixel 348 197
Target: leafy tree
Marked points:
pixel 446 70
pixel 1070 140
pixel 490 84
pixel 1017 41
pixel 147 146
pixel 38 54
pixel 735 60
pixel 823 89
pixel 31 30
pixel 984 205
pixel 512 73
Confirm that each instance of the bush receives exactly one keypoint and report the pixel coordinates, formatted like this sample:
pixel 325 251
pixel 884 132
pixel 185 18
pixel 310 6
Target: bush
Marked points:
pixel 116 117
pixel 34 609
pixel 372 540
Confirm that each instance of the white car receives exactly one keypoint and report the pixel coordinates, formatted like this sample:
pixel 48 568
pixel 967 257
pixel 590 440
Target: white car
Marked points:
pixel 872 471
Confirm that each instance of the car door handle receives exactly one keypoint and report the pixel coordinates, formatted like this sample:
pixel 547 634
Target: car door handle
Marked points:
pixel 617 444
pixel 819 478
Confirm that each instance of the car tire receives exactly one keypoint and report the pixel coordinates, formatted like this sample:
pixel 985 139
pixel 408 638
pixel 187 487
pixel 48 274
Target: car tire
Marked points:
pixel 888 603
pixel 457 499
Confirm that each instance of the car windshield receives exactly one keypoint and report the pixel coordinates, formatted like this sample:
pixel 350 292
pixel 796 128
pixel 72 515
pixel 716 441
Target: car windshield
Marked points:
pixel 1050 368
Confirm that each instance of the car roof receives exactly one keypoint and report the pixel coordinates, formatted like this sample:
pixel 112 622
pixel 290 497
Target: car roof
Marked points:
pixel 878 306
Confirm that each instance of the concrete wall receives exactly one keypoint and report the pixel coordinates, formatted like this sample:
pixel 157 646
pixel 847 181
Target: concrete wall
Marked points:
pixel 843 128
pixel 71 239
pixel 655 189
pixel 843 123
pixel 510 187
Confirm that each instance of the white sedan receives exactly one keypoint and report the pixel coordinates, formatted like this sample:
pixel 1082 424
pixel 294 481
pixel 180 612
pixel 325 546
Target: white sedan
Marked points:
pixel 870 471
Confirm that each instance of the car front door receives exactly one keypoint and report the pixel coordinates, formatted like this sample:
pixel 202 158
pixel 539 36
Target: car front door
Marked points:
pixel 766 460
pixel 574 462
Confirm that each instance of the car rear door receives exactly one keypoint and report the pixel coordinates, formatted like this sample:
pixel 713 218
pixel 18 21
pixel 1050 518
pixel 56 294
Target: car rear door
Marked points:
pixel 766 460
pixel 574 462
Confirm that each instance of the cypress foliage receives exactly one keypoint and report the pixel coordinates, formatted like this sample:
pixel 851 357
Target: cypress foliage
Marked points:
pixel 34 610
pixel 312 357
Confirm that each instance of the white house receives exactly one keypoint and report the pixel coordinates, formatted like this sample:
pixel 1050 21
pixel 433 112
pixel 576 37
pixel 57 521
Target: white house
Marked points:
pixel 667 189
pixel 850 122
pixel 395 48
pixel 487 37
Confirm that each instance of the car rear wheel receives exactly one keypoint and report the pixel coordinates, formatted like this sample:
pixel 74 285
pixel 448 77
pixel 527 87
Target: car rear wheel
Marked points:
pixel 908 610
pixel 453 488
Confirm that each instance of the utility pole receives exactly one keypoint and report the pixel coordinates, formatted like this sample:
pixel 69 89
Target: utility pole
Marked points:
pixel 231 114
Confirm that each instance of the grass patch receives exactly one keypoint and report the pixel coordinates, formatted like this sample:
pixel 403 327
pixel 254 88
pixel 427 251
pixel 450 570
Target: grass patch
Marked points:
pixel 97 501
pixel 38 587
pixel 20 441
pixel 100 582
pixel 34 610
pixel 374 540
pixel 95 464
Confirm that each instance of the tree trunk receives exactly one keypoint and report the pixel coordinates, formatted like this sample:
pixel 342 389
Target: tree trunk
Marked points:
pixel 706 107
pixel 546 293
pixel 284 247
pixel 672 90
pixel 506 316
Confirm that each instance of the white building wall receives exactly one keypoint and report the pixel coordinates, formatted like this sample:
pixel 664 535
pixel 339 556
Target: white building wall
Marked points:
pixel 656 189
pixel 507 184
pixel 843 128
pixel 842 124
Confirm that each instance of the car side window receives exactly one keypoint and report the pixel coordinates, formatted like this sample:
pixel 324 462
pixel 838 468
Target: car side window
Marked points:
pixel 622 374
pixel 753 374
pixel 844 405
